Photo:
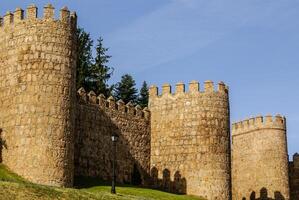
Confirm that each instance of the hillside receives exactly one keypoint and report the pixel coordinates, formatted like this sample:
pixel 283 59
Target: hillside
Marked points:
pixel 13 187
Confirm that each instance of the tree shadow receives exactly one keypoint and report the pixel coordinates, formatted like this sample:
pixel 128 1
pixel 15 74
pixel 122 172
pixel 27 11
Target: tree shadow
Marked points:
pixel 265 196
pixel 178 185
pixel 2 144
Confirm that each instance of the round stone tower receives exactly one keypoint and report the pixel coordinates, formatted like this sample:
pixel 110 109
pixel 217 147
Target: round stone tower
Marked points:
pixel 260 159
pixel 37 88
pixel 190 140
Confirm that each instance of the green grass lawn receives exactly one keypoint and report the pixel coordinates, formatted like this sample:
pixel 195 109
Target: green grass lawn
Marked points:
pixel 13 187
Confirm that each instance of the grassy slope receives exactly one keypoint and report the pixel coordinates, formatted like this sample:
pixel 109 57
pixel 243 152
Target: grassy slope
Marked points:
pixel 14 187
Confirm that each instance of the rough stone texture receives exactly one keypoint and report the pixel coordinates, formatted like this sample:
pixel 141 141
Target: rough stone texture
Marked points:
pixel 259 158
pixel 37 66
pixel 190 139
pixel 294 177
pixel 97 119
pixel 187 143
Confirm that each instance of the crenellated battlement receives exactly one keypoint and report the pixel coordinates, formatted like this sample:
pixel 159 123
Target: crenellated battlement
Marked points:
pixel 31 14
pixel 296 160
pixel 111 104
pixel 260 122
pixel 57 132
pixel 194 88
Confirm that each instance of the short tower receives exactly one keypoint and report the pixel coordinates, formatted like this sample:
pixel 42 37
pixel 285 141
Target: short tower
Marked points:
pixel 259 158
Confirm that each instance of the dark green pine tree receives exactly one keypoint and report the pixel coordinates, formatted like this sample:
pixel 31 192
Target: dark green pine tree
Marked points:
pixel 143 95
pixel 125 89
pixel 100 72
pixel 84 60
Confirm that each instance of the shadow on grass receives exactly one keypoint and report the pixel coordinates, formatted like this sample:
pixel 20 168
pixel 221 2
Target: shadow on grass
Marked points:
pixel 97 186
pixel 92 188
pixel 81 182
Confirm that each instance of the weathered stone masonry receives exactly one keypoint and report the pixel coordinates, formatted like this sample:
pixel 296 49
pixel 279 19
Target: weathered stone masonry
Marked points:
pixel 37 68
pixel 51 133
pixel 259 158
pixel 190 136
pixel 294 177
pixel 96 120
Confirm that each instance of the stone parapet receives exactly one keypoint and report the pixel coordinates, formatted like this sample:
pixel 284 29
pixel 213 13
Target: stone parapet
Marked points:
pixel 110 104
pixel 260 122
pixel 20 16
pixel 194 88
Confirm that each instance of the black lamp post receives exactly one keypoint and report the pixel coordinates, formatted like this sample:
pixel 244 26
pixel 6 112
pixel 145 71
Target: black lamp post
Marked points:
pixel 114 138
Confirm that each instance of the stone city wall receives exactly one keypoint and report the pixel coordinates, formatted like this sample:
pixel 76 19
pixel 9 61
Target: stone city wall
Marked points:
pixel 190 139
pixel 259 158
pixel 294 177
pixel 37 75
pixel 96 120
pixel 183 143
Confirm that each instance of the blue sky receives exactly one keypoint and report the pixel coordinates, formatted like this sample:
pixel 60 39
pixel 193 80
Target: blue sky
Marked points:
pixel 251 45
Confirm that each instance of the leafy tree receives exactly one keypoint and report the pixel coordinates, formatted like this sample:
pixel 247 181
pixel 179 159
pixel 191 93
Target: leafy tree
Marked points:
pixel 100 72
pixel 143 95
pixel 125 89
pixel 84 60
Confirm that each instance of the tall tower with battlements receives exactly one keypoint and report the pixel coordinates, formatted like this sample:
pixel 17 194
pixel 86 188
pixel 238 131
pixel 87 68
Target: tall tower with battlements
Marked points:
pixel 260 159
pixel 190 139
pixel 37 93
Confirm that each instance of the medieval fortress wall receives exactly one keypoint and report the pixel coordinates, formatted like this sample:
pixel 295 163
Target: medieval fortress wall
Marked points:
pixel 294 177
pixel 259 158
pixel 190 135
pixel 97 118
pixel 37 67
pixel 50 133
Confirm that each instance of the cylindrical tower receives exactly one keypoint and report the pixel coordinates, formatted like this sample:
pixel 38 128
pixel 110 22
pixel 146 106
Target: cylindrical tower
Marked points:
pixel 260 159
pixel 37 90
pixel 190 140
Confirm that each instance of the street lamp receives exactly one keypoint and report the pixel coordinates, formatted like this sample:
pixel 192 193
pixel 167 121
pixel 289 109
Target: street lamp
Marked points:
pixel 114 138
